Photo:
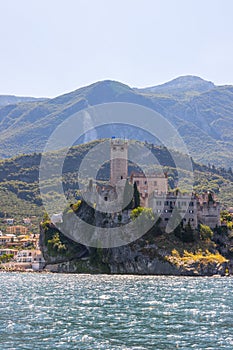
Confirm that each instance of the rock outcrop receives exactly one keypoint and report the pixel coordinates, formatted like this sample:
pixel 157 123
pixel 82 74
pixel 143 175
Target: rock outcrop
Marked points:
pixel 149 255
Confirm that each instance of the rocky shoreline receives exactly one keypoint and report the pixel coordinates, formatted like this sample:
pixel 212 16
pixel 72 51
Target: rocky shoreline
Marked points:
pixel 138 258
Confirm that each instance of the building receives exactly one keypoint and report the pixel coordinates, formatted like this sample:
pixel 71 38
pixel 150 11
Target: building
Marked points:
pixel 149 184
pixel 6 239
pixel 118 160
pixel 164 204
pixel 208 210
pixel 33 258
pixel 29 256
pixel 17 230
pixel 8 252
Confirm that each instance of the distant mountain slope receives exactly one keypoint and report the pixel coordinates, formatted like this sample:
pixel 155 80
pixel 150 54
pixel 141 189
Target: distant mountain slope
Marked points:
pixel 201 112
pixel 186 85
pixel 10 99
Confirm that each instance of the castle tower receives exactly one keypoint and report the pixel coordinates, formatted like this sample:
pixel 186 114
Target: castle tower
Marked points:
pixel 118 161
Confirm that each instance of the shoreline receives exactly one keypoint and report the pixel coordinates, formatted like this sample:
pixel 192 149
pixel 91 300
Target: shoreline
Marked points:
pixel 108 274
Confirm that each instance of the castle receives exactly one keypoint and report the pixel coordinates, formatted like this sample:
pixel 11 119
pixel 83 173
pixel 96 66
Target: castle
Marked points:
pixel 153 190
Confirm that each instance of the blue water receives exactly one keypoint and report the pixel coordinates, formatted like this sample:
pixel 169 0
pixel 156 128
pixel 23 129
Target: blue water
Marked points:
pixel 57 311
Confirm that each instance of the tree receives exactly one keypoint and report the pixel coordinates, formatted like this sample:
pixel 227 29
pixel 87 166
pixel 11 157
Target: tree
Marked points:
pixel 225 216
pixel 146 213
pixel 210 197
pixel 188 233
pixel 128 196
pixel 175 222
pixel 136 196
pixel 205 232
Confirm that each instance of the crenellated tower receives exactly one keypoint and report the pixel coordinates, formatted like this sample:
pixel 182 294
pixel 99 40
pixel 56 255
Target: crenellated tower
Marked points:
pixel 118 160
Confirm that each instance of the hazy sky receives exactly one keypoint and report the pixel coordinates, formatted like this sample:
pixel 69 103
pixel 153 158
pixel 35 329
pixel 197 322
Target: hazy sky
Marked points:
pixel 49 47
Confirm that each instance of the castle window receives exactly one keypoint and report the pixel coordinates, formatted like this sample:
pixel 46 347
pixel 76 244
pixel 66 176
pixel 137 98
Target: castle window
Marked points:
pixel 145 182
pixel 105 198
pixel 155 183
pixel 114 148
pixel 122 148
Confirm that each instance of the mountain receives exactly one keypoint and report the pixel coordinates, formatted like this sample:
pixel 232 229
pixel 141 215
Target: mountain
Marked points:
pixel 201 112
pixel 185 85
pixel 9 99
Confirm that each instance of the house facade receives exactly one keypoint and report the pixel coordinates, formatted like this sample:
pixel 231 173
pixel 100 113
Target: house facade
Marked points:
pixel 149 184
pixel 208 210
pixel 163 206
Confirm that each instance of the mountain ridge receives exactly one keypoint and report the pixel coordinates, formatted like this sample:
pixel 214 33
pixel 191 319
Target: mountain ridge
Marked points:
pixel 204 118
pixel 12 99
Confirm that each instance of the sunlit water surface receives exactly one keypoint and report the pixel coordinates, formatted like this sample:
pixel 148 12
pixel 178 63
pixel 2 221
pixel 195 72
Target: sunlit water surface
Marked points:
pixel 58 311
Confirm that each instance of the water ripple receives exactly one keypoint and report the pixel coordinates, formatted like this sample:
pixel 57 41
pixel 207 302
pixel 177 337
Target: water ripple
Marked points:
pixel 57 311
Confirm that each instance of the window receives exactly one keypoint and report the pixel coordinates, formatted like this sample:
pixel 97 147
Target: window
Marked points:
pixel 158 203
pixel 191 211
pixel 155 183
pixel 191 204
pixel 145 182
pixel 122 148
pixel 166 203
pixel 105 198
pixel 158 211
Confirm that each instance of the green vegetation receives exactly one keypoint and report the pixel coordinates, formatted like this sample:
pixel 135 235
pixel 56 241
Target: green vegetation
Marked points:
pixel 205 232
pixel 6 258
pixel 145 213
pixel 136 196
pixel 58 244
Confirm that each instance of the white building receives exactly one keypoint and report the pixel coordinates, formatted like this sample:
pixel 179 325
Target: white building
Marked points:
pixel 186 205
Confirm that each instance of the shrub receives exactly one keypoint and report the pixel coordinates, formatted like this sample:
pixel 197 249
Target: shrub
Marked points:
pixel 205 232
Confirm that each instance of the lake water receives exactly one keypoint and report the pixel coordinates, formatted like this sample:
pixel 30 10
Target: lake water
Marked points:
pixel 58 311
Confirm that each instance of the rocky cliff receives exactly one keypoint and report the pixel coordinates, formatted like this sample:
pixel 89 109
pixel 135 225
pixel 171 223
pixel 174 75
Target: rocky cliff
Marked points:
pixel 155 253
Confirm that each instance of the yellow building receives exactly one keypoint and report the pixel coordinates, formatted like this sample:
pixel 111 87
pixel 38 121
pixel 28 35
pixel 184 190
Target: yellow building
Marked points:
pixel 17 230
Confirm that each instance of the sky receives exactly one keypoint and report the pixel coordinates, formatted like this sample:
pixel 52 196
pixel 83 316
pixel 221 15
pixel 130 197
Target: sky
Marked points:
pixel 49 47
